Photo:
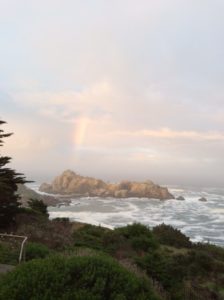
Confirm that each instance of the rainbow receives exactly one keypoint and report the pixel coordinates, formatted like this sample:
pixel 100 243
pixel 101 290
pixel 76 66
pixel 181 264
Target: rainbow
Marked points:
pixel 80 131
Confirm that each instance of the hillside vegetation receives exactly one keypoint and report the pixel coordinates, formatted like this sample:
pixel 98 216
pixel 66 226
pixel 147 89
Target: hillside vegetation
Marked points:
pixel 68 260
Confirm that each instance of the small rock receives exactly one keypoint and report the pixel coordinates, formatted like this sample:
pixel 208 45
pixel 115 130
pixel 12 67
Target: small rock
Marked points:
pixel 180 198
pixel 203 199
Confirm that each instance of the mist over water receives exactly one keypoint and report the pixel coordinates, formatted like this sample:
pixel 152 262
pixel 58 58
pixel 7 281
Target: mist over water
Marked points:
pixel 201 221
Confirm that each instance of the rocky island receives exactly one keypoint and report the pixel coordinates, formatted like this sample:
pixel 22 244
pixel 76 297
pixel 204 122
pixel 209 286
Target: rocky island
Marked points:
pixel 70 183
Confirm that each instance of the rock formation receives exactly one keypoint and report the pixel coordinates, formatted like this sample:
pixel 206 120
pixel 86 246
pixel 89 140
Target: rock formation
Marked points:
pixel 203 199
pixel 180 198
pixel 26 194
pixel 71 183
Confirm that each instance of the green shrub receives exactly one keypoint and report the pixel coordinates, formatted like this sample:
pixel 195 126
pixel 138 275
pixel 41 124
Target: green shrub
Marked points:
pixel 90 236
pixel 200 263
pixel 136 237
pixel 133 230
pixel 168 271
pixel 113 241
pixel 156 267
pixel 140 236
pixel 170 236
pixel 9 254
pixel 212 250
pixel 38 206
pixel 143 243
pixel 36 250
pixel 26 210
pixel 62 220
pixel 83 278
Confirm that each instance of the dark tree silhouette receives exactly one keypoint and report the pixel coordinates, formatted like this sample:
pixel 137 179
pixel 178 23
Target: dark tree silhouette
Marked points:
pixel 38 206
pixel 9 179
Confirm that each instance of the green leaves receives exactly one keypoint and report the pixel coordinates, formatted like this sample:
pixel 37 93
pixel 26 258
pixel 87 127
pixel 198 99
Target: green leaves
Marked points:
pixel 38 206
pixel 96 277
pixel 170 236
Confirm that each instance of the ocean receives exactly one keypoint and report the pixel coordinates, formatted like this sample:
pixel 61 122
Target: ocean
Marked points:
pixel 201 221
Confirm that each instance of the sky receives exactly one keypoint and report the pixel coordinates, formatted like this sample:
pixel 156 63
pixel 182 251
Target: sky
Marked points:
pixel 118 89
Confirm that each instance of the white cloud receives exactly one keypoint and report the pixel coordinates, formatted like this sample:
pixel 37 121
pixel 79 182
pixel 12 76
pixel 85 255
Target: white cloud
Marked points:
pixel 113 85
pixel 68 105
pixel 167 133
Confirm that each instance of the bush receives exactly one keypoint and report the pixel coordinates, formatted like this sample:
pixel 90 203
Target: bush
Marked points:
pixel 9 254
pixel 36 250
pixel 131 238
pixel 212 250
pixel 134 230
pixel 170 236
pixel 113 242
pixel 155 266
pixel 140 236
pixel 168 271
pixel 90 236
pixel 200 263
pixel 82 278
pixel 62 220
pixel 143 243
pixel 38 206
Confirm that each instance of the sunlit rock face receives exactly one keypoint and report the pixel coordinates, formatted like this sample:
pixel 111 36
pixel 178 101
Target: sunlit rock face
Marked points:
pixel 71 183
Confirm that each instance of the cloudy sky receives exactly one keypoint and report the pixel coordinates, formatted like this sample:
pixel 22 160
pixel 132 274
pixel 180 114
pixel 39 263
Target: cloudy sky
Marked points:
pixel 114 89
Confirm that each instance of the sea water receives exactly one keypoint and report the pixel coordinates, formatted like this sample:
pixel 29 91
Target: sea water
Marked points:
pixel 201 221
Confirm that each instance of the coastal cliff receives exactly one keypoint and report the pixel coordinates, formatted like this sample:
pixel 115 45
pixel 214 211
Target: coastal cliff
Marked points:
pixel 26 194
pixel 71 183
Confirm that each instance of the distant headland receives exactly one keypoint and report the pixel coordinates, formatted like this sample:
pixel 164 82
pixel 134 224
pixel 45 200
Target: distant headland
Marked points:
pixel 71 183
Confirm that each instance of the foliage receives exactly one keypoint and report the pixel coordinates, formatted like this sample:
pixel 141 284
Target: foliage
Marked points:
pixel 213 250
pixel 139 235
pixel 174 270
pixel 127 239
pixel 38 206
pixel 8 254
pixel 168 235
pixel 8 186
pixel 36 250
pixel 62 220
pixel 83 278
pixel 114 243
pixel 90 236
pixel 134 230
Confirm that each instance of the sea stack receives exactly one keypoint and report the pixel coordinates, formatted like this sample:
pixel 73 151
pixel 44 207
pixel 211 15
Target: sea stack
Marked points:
pixel 70 183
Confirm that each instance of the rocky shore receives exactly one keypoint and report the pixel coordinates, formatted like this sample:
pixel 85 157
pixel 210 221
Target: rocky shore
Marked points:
pixel 26 194
pixel 70 183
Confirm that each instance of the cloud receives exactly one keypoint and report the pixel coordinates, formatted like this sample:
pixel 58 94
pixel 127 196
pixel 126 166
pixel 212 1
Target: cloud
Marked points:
pixel 172 134
pixel 119 87
pixel 68 105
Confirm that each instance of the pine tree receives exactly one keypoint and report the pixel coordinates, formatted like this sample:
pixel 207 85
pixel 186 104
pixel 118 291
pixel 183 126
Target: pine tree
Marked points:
pixel 9 179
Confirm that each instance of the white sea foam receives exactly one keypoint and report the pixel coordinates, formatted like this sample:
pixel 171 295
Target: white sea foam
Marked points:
pixel 201 221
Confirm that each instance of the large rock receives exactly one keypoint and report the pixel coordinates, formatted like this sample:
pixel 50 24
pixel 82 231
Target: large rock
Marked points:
pixel 71 183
